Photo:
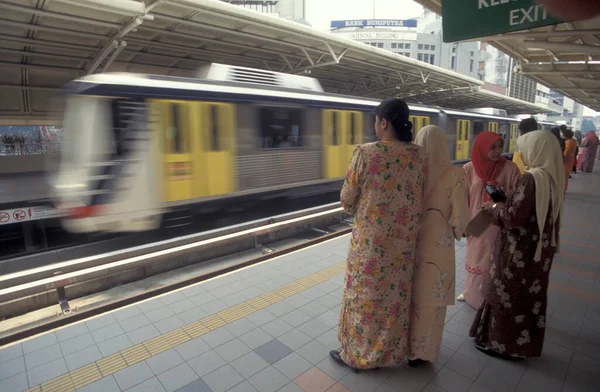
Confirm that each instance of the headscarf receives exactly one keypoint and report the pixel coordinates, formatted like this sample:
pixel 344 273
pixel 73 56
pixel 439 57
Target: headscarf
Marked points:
pixel 485 168
pixel 591 137
pixel 433 139
pixel 541 155
pixel 578 136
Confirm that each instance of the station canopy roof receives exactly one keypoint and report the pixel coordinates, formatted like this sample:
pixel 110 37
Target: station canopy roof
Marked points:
pixel 563 57
pixel 45 44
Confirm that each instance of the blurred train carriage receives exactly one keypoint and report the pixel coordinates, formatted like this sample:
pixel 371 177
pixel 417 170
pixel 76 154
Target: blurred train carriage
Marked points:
pixel 139 145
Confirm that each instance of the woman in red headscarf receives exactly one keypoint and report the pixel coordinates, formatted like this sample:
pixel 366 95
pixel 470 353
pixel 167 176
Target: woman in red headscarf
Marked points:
pixel 587 152
pixel 487 166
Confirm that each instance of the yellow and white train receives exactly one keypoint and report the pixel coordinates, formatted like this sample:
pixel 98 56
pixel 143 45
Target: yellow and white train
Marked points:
pixel 139 145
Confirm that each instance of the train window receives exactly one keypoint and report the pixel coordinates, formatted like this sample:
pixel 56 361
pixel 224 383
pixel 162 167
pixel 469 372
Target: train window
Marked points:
pixel 478 127
pixel 281 127
pixel 177 141
pixel 214 128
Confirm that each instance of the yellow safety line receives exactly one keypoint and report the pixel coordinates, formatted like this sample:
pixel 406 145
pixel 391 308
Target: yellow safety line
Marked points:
pixel 93 372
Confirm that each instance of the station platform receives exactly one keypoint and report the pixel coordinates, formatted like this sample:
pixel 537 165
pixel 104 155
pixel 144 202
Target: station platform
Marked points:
pixel 270 327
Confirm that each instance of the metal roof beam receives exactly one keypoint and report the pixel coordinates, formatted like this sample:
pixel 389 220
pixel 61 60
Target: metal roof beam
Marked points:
pixel 571 48
pixel 59 16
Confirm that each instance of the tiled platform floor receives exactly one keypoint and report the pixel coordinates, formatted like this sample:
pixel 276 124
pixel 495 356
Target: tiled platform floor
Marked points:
pixel 270 328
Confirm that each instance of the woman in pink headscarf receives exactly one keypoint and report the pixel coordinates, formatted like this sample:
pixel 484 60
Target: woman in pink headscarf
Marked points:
pixel 587 152
pixel 487 166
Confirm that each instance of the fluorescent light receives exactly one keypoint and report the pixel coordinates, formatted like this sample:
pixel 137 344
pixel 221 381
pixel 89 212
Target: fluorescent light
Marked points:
pixel 129 7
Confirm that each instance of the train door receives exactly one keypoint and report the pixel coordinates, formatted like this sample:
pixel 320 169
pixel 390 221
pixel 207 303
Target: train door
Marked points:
pixel 463 139
pixel 418 123
pixel 355 134
pixel 334 144
pixel 514 134
pixel 214 155
pixel 493 126
pixel 173 120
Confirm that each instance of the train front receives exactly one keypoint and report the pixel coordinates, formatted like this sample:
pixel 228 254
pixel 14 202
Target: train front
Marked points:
pixel 107 180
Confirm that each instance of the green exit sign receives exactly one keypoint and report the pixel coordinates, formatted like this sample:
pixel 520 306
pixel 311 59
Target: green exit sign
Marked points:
pixel 466 19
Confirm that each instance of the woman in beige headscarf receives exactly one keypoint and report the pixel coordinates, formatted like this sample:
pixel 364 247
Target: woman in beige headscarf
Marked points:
pixel 444 219
pixel 512 319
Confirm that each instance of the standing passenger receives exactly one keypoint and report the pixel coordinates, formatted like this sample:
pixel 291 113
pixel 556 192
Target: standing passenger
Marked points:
pixel 570 147
pixel 525 126
pixel 587 156
pixel 488 166
pixel 445 218
pixel 383 190
pixel 511 322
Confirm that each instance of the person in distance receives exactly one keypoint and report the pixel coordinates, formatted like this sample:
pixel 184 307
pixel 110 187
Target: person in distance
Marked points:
pixel 569 152
pixel 512 319
pixel 445 217
pixel 383 190
pixel 525 126
pixel 587 154
pixel 487 168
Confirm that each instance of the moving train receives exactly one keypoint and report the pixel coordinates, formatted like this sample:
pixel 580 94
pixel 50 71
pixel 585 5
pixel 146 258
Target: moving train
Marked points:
pixel 138 145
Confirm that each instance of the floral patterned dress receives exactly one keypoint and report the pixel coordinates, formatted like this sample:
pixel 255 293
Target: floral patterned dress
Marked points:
pixel 512 318
pixel 445 218
pixel 383 191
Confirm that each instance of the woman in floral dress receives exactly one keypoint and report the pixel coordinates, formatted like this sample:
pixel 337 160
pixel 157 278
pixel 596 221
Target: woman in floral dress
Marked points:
pixel 511 321
pixel 587 152
pixel 445 218
pixel 487 167
pixel 383 190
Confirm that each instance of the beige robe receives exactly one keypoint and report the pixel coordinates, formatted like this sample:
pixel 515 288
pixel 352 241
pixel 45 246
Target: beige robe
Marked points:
pixel 445 218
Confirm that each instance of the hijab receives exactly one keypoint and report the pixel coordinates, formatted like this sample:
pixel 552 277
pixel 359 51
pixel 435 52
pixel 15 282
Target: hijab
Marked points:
pixel 433 139
pixel 485 168
pixel 591 137
pixel 542 158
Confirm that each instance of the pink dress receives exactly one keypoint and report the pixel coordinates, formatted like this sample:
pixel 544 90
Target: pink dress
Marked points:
pixel 479 249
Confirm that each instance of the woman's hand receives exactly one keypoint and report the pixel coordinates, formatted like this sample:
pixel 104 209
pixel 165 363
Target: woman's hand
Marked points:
pixel 488 206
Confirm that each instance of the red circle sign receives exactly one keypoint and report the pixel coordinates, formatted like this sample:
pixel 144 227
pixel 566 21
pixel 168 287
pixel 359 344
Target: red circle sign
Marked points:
pixel 19 215
pixel 4 217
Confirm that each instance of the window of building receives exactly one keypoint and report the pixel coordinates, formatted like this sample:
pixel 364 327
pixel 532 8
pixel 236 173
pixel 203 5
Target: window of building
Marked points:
pixel 373 43
pixel 471 64
pixel 281 127
pixel 400 46
pixel 426 58
pixel 453 63
pixel 420 57
pixel 432 59
pixel 426 47
pixel 472 53
pixel 432 47
pixel 406 46
pixel 394 45
pixel 454 49
pixel 420 46
pixel 380 44
pixel 407 54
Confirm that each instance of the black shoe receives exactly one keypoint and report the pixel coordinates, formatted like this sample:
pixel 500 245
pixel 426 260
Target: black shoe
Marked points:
pixel 413 363
pixel 335 354
pixel 487 351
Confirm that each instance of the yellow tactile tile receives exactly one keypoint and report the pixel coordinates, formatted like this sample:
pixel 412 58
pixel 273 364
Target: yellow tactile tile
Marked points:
pixel 195 329
pixel 85 375
pixel 135 354
pixel 271 297
pixel 156 345
pixel 59 384
pixel 104 367
pixel 236 312
pixel 213 322
pixel 112 364
pixel 177 337
pixel 258 303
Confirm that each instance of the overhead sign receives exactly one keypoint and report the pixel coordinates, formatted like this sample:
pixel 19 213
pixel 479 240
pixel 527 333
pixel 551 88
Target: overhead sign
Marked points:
pixel 374 23
pixel 19 215
pixel 492 17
